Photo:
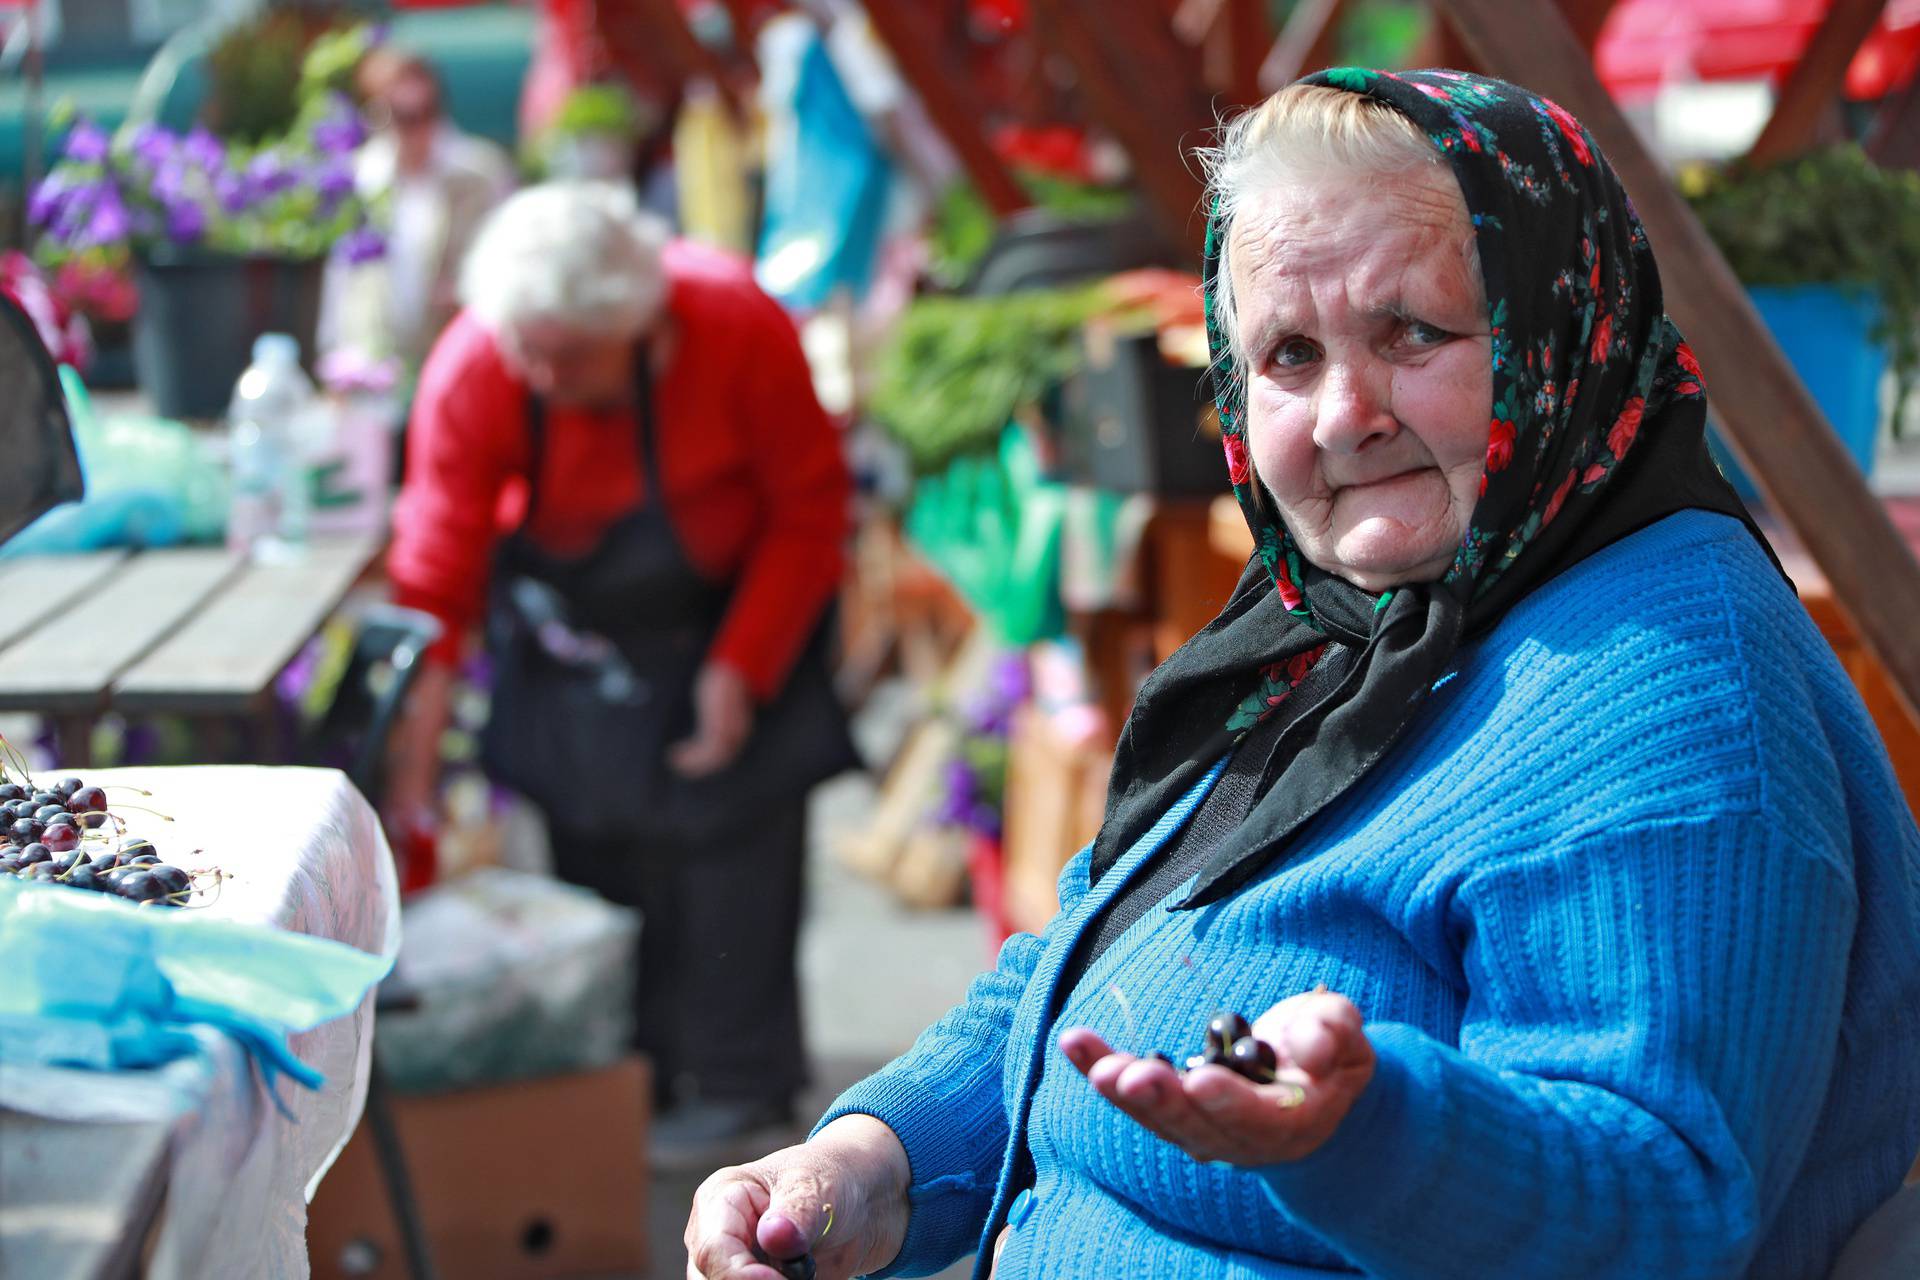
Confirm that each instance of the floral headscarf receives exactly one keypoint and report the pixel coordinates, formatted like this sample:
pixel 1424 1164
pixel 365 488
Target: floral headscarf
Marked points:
pixel 1598 429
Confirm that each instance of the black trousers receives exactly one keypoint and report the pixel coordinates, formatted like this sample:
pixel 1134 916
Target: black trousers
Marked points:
pixel 717 998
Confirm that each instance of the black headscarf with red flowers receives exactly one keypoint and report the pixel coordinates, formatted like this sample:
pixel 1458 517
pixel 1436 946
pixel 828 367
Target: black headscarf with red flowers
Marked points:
pixel 1598 429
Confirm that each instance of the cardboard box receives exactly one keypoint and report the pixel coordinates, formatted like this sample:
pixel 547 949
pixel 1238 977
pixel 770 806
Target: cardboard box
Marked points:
pixel 536 1180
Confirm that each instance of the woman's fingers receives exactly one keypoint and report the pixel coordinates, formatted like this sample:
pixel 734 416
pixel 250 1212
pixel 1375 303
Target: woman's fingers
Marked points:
pixel 1215 1114
pixel 720 1231
pixel 1146 1089
pixel 1083 1048
pixel 1317 1032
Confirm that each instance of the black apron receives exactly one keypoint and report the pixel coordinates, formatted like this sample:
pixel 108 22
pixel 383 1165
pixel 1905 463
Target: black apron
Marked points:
pixel 594 660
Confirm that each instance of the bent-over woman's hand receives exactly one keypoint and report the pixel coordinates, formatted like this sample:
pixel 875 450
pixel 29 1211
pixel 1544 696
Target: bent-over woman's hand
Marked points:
pixel 722 719
pixel 1213 1114
pixel 841 1195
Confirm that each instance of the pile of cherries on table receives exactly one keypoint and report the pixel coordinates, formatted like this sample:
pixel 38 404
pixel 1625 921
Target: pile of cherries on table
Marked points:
pixel 64 834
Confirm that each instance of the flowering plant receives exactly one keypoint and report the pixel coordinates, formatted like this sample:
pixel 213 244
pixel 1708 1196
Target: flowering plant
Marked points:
pixel 150 190
pixel 976 777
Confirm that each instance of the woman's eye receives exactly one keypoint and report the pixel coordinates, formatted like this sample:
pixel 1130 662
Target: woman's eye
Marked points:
pixel 1422 334
pixel 1294 352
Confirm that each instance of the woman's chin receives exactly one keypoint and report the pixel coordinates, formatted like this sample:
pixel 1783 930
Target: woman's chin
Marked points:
pixel 1380 553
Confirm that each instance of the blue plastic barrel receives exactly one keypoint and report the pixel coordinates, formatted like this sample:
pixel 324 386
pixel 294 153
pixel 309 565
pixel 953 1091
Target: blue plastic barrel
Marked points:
pixel 1826 333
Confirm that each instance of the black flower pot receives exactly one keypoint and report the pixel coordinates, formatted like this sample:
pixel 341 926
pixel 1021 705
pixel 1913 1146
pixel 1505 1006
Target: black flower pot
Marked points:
pixel 199 314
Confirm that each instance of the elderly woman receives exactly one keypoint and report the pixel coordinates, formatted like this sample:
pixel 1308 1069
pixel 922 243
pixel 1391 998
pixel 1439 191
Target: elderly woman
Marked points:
pixel 1512 790
pixel 616 452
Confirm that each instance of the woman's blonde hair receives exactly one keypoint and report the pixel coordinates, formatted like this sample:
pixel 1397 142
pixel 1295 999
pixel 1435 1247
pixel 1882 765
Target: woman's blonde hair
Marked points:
pixel 1303 131
pixel 580 254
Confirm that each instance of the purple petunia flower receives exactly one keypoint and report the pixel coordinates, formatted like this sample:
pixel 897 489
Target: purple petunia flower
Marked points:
pixel 204 151
pixel 267 175
pixel 86 143
pixel 186 223
pixel 153 147
pixel 230 191
pixel 360 245
pixel 110 222
pixel 169 184
pixel 334 183
pixel 49 201
pixel 340 132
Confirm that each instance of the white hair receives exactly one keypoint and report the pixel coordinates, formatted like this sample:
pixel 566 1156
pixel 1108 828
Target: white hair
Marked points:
pixel 579 254
pixel 1303 131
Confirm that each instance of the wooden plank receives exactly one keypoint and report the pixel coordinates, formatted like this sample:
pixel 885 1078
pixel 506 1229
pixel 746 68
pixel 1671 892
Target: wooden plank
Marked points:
pixel 1443 47
pixel 1232 36
pixel 1773 424
pixel 1894 140
pixel 948 94
pixel 36 587
pixel 224 658
pixel 1144 87
pixel 1809 98
pixel 1305 44
pixel 70 660
pixel 77 1200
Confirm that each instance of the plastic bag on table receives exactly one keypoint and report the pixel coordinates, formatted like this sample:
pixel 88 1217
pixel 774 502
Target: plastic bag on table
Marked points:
pixel 100 983
pixel 150 483
pixel 516 975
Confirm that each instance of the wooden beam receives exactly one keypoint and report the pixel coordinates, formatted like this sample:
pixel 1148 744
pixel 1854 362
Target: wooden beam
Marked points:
pixel 947 93
pixel 1809 96
pixel 1894 139
pixel 1194 20
pixel 1306 43
pixel 1239 49
pixel 1144 88
pixel 1773 424
pixel 1232 36
pixel 1442 46
pixel 1587 18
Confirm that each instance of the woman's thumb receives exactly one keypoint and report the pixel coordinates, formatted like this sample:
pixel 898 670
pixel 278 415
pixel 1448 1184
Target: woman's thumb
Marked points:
pixel 795 1220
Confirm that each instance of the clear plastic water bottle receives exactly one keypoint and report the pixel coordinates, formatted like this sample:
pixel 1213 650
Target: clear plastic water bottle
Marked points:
pixel 268 424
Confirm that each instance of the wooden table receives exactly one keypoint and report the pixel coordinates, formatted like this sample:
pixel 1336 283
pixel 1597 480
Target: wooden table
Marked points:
pixel 190 1171
pixel 195 632
pixel 79 1201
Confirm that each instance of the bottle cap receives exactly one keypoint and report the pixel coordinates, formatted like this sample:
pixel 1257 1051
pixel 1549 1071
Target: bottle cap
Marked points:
pixel 276 348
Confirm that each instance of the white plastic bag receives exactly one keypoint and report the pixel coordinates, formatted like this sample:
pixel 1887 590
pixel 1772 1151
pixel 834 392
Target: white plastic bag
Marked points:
pixel 517 975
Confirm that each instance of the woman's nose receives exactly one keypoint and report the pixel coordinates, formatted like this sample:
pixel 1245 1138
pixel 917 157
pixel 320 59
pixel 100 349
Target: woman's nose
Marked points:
pixel 1354 406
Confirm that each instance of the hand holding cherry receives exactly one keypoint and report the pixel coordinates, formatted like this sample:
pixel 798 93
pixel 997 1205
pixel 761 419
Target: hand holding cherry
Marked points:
pixel 1258 1094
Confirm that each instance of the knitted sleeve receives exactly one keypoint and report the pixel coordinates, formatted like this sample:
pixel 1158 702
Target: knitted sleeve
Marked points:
pixel 945 1099
pixel 1651 1028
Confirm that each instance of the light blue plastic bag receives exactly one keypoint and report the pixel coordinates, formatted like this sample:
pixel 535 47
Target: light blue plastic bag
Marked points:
pixel 826 191
pixel 100 983
pixel 150 483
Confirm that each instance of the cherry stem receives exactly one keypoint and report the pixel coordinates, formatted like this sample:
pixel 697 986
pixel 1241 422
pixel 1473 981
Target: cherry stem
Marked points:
pixel 140 808
pixel 16 758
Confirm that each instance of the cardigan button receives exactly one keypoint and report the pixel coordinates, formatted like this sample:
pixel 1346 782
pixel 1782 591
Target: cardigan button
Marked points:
pixel 1021 1207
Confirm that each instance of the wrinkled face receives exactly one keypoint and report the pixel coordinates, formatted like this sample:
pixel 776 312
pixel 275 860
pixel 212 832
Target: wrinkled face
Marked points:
pixel 569 365
pixel 1369 370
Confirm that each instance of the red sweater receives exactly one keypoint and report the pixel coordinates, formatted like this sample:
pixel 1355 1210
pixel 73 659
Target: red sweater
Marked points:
pixel 755 482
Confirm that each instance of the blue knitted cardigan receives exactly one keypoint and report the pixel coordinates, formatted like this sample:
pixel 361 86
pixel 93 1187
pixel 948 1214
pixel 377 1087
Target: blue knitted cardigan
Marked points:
pixel 1633 914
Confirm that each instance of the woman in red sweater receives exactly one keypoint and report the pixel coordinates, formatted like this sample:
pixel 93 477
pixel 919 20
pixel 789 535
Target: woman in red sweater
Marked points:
pixel 617 458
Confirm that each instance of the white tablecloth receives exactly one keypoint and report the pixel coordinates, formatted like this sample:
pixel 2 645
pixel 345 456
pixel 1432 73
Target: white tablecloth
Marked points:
pixel 303 851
